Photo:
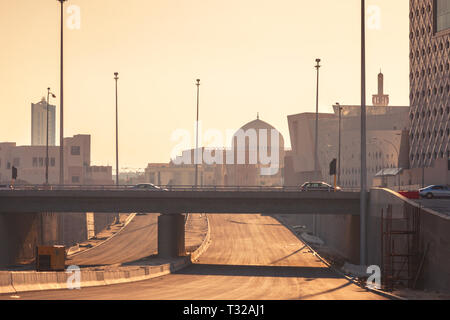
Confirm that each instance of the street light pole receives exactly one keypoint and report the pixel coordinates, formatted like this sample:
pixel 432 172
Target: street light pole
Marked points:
pixel 363 200
pixel 46 144
pixel 116 77
pixel 339 146
pixel 61 104
pixel 316 142
pixel 196 138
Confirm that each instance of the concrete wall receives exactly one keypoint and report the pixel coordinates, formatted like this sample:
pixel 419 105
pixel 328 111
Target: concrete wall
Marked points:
pixel 341 233
pixel 434 232
pixel 20 233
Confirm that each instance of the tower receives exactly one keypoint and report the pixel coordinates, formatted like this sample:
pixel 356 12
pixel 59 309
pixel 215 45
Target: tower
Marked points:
pixel 380 99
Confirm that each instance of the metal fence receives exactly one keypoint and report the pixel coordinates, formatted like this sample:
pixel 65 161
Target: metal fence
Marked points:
pixel 172 188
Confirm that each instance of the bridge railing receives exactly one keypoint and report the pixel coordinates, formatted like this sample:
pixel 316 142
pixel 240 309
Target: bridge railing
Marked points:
pixel 161 188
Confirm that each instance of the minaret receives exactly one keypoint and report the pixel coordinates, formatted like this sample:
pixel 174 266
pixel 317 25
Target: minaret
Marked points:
pixel 380 99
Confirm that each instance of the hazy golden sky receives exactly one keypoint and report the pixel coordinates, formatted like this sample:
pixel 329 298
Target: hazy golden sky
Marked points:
pixel 251 55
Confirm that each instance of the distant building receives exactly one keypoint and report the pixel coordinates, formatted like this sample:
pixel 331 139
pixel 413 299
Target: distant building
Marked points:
pixel 30 162
pixel 251 173
pixel 430 90
pixel 387 147
pixel 39 124
pixel 228 171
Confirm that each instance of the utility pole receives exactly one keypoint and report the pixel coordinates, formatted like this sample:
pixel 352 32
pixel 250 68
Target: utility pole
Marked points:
pixel 196 138
pixel 339 146
pixel 61 104
pixel 363 200
pixel 316 140
pixel 116 77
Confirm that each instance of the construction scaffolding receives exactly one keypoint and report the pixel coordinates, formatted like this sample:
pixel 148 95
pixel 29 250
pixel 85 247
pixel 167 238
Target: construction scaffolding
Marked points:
pixel 400 247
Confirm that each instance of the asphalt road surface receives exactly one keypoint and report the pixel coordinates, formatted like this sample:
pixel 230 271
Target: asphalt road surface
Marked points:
pixel 250 257
pixel 439 205
pixel 137 240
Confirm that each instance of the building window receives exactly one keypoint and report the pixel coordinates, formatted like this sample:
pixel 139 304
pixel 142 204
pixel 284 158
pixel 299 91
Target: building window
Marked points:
pixel 8 165
pixel 35 162
pixel 441 15
pixel 41 162
pixel 52 162
pixel 75 179
pixel 75 150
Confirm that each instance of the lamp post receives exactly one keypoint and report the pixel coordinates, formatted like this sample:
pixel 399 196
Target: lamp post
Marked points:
pixel 196 138
pixel 116 77
pixel 61 104
pixel 46 144
pixel 316 142
pixel 316 139
pixel 363 201
pixel 339 145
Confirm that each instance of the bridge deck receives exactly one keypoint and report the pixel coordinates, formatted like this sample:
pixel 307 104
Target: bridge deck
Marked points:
pixel 179 201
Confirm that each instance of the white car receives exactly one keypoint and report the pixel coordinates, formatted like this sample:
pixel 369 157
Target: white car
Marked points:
pixel 147 186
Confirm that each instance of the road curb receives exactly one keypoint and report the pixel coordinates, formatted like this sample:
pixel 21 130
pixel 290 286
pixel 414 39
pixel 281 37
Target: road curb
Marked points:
pixel 205 244
pixel 352 280
pixel 129 219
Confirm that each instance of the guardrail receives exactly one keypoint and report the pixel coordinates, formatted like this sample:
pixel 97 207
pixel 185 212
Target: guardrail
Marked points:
pixel 161 188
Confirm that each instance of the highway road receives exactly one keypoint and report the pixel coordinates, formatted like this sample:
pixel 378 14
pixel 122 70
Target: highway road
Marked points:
pixel 137 240
pixel 250 257
pixel 439 205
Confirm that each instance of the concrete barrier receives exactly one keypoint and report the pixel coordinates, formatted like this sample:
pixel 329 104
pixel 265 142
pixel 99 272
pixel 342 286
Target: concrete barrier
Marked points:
pixel 205 244
pixel 6 283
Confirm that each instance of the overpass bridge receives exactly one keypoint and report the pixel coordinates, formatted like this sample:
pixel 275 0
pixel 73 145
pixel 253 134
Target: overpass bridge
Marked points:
pixel 172 202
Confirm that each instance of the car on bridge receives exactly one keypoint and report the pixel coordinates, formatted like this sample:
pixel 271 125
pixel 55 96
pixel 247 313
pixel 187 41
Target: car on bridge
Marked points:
pixel 148 187
pixel 435 191
pixel 318 186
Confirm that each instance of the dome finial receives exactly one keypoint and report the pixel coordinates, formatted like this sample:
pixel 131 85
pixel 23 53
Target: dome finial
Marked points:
pixel 257 115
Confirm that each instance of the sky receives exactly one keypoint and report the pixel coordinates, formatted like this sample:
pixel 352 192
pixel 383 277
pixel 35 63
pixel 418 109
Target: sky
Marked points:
pixel 251 56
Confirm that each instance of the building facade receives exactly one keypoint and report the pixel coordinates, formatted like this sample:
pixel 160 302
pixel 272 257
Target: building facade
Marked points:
pixel 30 163
pixel 387 142
pixel 429 82
pixel 39 123
pixel 247 163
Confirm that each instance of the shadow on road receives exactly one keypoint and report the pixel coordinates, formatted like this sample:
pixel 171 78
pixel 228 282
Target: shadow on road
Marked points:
pixel 258 271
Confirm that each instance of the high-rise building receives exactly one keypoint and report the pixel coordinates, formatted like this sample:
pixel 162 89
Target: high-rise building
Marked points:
pixel 429 82
pixel 39 124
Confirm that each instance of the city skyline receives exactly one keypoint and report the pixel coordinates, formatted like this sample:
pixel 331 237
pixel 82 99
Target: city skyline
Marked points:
pixel 253 65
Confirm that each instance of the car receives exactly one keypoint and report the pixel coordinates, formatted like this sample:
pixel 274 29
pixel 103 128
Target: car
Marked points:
pixel 148 186
pixel 435 191
pixel 318 186
pixel 6 187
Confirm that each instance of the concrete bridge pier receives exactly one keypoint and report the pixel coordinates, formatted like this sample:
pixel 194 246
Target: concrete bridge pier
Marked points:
pixel 171 235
